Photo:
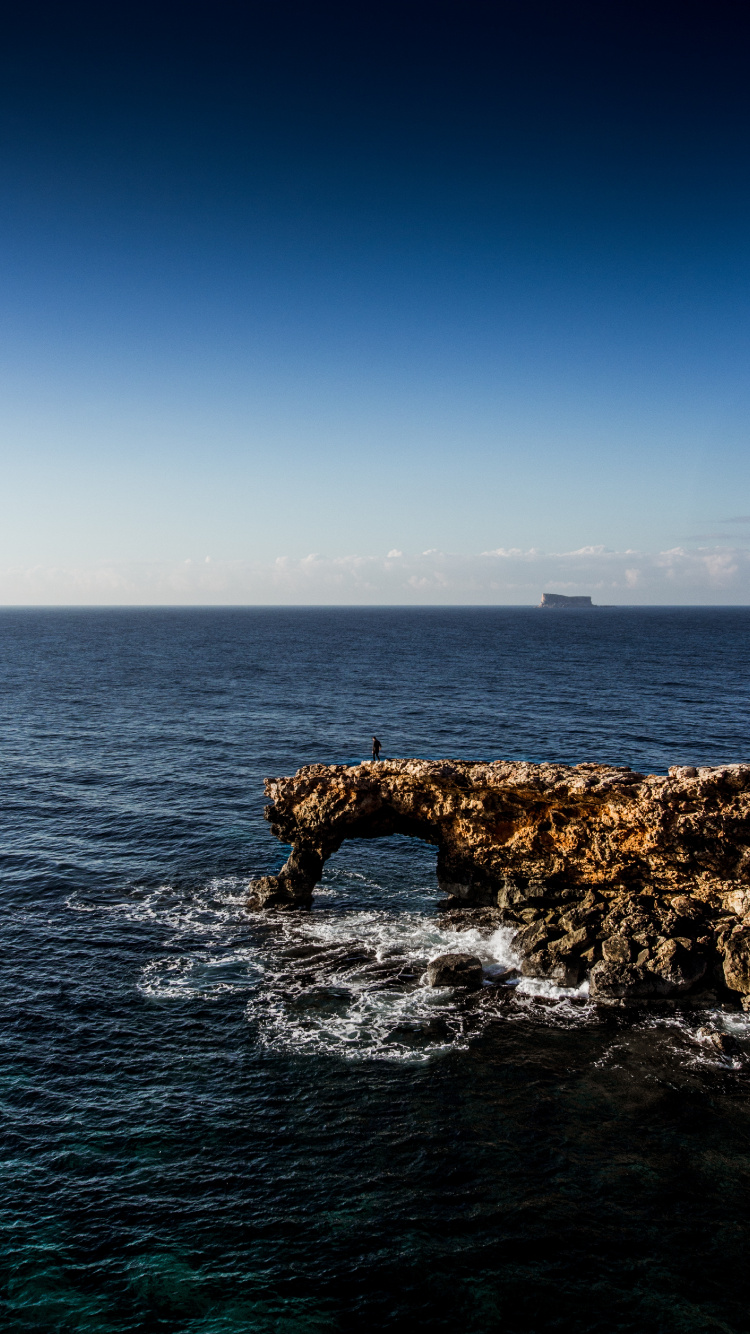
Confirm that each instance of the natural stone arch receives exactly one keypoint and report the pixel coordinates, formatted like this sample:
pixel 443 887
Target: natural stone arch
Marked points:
pixel 504 824
pixel 294 885
pixel 642 881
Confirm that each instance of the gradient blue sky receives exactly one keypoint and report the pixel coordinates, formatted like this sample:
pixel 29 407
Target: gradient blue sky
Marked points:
pixel 442 280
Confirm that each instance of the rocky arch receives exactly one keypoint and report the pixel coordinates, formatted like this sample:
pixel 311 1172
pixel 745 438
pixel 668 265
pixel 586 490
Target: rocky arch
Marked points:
pixel 530 825
pixel 641 881
pixel 294 885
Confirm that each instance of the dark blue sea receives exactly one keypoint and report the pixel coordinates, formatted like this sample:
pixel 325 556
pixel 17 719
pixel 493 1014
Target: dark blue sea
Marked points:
pixel 213 1122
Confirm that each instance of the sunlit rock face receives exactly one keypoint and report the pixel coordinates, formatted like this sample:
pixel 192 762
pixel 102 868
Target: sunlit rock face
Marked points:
pixel 640 883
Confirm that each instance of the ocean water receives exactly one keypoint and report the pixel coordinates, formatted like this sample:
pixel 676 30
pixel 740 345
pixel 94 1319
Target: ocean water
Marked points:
pixel 213 1122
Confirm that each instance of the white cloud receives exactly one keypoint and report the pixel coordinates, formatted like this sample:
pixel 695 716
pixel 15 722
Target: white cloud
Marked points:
pixel 506 575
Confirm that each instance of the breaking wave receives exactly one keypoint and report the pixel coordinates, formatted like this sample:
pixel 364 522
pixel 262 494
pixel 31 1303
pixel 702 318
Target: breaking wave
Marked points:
pixel 346 978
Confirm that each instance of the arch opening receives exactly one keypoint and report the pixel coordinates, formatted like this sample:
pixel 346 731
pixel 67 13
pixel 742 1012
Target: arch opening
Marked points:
pixel 304 869
pixel 395 871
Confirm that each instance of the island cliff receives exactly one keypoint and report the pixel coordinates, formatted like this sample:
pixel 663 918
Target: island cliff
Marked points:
pixel 640 883
pixel 562 600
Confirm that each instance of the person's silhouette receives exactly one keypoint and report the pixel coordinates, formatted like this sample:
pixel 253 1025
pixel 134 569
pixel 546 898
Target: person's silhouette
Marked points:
pixel 375 748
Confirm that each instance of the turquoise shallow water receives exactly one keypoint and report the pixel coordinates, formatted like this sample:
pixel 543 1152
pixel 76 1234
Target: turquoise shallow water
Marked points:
pixel 214 1123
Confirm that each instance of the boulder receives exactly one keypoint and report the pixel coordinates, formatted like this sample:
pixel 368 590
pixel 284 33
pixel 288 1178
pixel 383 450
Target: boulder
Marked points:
pixel 274 891
pixel 677 966
pixel 617 949
pixel 500 974
pixel 738 901
pixel 536 964
pixel 724 1043
pixel 455 970
pixel 737 962
pixel 685 908
pixel 570 945
pixel 620 981
pixel 585 913
pixel 532 937
pixel 563 972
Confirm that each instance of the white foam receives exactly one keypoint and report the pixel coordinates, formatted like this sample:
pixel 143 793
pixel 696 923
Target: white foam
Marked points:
pixel 353 1011
pixel 203 974
pixel 211 910
pixel 345 979
pixel 410 935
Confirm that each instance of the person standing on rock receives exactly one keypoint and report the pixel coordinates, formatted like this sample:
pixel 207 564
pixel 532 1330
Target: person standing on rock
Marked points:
pixel 375 748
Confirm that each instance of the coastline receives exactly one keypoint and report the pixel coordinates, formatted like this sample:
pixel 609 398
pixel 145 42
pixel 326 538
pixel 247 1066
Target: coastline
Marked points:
pixel 638 884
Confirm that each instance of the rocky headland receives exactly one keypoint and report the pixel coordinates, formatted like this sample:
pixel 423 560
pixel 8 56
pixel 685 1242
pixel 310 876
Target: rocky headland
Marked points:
pixel 640 883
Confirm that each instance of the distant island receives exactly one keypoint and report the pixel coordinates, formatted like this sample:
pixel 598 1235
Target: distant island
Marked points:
pixel 558 600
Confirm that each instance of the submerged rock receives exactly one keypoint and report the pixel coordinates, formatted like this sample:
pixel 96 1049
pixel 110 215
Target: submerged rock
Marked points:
pixel 723 1043
pixel 455 970
pixel 641 883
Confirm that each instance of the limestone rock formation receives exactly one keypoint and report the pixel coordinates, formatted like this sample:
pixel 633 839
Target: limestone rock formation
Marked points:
pixel 641 883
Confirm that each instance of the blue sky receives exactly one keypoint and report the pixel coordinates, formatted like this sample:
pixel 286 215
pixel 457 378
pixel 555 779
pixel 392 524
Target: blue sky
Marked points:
pixel 446 280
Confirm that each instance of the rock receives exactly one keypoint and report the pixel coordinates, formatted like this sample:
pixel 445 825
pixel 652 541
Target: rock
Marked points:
pixel 500 975
pixel 455 970
pixel 738 900
pixel 617 949
pixel 685 916
pixel 524 831
pixel 273 891
pixel 564 600
pixel 721 1042
pixel 563 972
pixel 620 981
pixel 510 895
pixel 671 969
pixel 576 856
pixel 531 937
pixel 737 963
pixel 686 908
pixel 677 966
pixel 483 920
pixel 570 945
pixel 537 964
pixel 585 913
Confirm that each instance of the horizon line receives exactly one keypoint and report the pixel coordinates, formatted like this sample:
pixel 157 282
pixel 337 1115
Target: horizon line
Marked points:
pixel 366 606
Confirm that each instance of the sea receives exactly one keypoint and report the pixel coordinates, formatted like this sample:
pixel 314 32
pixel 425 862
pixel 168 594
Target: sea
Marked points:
pixel 215 1122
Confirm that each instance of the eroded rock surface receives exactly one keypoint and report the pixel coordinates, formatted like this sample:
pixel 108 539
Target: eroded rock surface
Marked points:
pixel 641 883
pixel 455 970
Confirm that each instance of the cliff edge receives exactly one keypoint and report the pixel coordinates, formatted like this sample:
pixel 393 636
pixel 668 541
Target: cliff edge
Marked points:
pixel 562 600
pixel 640 883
